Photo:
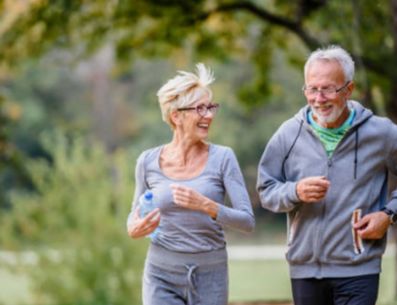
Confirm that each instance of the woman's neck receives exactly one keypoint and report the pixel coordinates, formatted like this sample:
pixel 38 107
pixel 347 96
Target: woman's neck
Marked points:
pixel 182 151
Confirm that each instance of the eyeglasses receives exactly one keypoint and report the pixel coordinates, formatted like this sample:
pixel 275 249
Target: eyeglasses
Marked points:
pixel 202 109
pixel 329 92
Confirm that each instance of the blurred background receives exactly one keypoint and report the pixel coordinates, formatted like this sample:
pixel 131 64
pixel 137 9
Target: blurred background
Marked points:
pixel 78 83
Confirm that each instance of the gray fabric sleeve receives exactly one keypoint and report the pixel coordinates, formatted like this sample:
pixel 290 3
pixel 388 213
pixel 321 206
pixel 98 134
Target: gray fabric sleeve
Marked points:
pixel 240 216
pixel 275 194
pixel 392 163
pixel 140 184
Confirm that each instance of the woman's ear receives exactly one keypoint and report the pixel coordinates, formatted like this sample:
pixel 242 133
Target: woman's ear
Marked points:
pixel 175 117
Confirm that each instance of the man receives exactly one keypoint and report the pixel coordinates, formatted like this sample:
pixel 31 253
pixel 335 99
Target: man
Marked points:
pixel 327 168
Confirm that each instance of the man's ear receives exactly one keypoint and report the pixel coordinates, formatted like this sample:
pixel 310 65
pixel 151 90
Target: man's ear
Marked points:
pixel 349 89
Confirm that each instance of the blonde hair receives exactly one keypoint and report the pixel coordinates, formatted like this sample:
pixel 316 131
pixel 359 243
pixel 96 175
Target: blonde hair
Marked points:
pixel 184 90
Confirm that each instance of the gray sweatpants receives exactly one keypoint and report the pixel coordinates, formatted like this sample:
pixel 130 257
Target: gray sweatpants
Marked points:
pixel 174 278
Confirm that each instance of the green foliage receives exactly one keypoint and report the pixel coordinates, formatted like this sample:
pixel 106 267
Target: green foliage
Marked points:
pixel 49 96
pixel 77 201
pixel 75 222
pixel 4 148
pixel 12 170
pixel 209 29
pixel 106 272
pixel 42 96
pixel 258 90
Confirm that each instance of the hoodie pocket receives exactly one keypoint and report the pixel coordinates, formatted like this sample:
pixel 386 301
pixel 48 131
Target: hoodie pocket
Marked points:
pixel 342 244
pixel 301 238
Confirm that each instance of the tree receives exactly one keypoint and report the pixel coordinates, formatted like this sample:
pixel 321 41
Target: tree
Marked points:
pixel 12 169
pixel 221 29
pixel 75 223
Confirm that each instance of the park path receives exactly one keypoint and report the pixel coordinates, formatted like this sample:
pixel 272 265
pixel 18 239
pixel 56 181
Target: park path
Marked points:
pixel 235 252
pixel 259 303
pixel 247 252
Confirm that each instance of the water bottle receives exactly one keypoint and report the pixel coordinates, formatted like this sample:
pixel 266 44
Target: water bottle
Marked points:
pixel 146 205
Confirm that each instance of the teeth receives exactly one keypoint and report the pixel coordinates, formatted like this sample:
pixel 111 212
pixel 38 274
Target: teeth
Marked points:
pixel 203 125
pixel 325 107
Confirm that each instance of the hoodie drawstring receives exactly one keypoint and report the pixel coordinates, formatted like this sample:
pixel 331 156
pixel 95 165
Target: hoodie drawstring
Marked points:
pixel 355 155
pixel 296 138
pixel 292 146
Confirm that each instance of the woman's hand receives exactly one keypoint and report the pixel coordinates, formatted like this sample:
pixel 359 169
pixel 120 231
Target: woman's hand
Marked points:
pixel 139 227
pixel 190 199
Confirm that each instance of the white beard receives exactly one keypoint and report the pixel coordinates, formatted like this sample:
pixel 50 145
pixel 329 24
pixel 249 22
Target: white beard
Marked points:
pixel 332 117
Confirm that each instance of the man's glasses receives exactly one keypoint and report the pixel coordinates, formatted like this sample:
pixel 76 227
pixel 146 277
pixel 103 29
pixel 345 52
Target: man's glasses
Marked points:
pixel 202 109
pixel 329 92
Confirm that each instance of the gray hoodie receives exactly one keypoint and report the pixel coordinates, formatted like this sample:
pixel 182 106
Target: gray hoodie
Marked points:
pixel 320 236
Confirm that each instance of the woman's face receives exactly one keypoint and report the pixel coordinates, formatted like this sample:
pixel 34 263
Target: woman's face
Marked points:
pixel 196 119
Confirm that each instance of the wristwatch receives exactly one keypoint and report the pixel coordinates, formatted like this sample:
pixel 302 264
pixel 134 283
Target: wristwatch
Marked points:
pixel 391 214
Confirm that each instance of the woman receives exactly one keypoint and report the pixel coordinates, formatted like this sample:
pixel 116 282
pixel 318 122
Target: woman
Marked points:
pixel 189 177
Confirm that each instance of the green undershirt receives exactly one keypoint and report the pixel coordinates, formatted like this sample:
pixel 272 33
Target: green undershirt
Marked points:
pixel 330 137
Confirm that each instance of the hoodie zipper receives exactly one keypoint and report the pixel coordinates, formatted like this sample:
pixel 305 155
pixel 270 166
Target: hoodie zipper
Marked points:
pixel 319 237
pixel 359 120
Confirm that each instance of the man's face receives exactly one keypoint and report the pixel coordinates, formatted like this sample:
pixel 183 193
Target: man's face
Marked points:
pixel 324 78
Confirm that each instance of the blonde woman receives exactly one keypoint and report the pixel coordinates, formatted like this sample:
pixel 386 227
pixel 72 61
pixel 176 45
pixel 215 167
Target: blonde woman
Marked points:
pixel 187 261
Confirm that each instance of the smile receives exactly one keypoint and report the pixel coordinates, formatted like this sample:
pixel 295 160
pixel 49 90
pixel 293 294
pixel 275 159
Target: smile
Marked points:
pixel 323 108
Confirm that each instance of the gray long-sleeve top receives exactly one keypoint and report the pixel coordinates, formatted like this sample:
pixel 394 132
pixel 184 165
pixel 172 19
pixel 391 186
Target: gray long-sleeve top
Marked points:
pixel 185 230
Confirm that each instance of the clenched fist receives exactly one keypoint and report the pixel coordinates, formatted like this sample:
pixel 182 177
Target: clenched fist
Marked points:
pixel 312 189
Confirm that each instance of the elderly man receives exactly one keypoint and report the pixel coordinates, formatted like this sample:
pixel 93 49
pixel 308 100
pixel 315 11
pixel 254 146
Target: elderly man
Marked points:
pixel 327 168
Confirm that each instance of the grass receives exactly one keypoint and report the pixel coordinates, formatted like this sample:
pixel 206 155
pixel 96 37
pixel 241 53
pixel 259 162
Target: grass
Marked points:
pixel 254 280
pixel 14 287
pixel 259 280
pixel 268 280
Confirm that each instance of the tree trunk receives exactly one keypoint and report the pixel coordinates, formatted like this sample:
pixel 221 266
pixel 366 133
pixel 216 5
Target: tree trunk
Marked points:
pixel 391 107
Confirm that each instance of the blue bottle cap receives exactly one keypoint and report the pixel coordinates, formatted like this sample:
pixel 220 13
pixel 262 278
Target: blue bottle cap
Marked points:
pixel 148 195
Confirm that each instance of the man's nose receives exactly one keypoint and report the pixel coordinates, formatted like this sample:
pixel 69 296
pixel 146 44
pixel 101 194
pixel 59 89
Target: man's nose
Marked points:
pixel 320 96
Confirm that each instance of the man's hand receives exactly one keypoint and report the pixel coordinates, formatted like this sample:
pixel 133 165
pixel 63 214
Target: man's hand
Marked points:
pixel 373 225
pixel 312 189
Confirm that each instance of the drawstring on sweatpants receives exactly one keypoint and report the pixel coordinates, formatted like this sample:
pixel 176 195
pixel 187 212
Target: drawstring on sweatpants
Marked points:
pixel 190 277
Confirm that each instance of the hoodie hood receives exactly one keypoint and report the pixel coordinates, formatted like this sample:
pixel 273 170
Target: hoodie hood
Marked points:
pixel 362 114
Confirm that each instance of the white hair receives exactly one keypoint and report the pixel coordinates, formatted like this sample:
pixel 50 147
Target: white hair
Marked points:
pixel 333 53
pixel 184 90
